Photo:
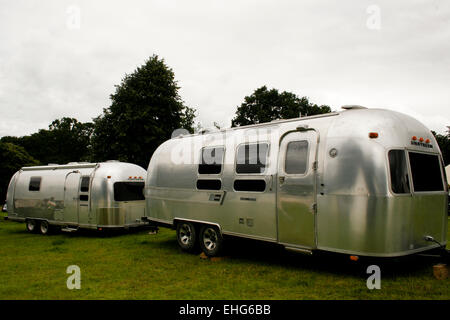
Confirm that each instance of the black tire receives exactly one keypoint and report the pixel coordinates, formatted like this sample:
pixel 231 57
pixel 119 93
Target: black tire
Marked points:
pixel 31 225
pixel 211 240
pixel 44 227
pixel 187 236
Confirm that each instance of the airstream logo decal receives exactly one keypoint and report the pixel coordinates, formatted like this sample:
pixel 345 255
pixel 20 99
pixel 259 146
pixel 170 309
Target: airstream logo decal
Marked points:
pixel 421 144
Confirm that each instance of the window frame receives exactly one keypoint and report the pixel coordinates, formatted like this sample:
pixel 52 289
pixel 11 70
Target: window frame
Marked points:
pixel 209 190
pixel 307 159
pixel 266 167
pixel 201 159
pixel 252 191
pixel 407 168
pixel 89 183
pixel 40 184
pixel 411 181
pixel 125 181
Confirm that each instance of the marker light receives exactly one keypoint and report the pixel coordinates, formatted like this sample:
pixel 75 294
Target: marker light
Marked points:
pixel 373 135
pixel 354 258
pixel 421 139
pixel 414 138
pixel 427 141
pixel 109 177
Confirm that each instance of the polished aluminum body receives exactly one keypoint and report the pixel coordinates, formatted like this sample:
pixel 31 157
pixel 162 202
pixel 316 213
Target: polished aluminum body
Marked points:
pixel 62 201
pixel 343 203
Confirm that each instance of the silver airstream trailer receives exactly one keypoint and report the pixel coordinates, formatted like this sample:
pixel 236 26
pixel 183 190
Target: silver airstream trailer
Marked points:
pixel 77 195
pixel 365 182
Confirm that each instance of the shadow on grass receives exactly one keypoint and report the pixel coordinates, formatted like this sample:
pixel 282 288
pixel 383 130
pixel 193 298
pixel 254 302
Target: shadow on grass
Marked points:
pixel 88 233
pixel 253 251
pixel 258 252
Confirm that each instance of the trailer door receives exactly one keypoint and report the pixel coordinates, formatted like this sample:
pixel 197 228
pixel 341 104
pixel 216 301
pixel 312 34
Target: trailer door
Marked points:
pixel 71 197
pixel 296 196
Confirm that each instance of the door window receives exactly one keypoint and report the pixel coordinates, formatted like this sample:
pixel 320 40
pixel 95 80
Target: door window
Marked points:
pixel 296 161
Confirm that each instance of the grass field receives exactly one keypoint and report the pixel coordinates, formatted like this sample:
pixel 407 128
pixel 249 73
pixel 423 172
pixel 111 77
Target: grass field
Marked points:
pixel 142 266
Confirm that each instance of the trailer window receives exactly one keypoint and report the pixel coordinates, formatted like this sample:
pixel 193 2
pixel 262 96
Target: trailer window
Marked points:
pixel 252 158
pixel 399 171
pixel 84 187
pixel 258 185
pixel 426 172
pixel 296 157
pixel 211 161
pixel 128 191
pixel 209 184
pixel 35 184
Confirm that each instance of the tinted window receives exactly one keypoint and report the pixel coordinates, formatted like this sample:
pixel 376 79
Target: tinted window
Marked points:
pixel 210 184
pixel 252 158
pixel 211 161
pixel 250 185
pixel 399 171
pixel 84 187
pixel 128 191
pixel 426 172
pixel 296 157
pixel 84 197
pixel 35 184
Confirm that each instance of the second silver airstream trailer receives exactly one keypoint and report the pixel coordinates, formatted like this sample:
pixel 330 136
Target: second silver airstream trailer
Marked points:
pixel 77 195
pixel 366 182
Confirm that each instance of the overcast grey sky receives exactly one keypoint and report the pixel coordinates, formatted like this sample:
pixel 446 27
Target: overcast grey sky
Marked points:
pixel 389 54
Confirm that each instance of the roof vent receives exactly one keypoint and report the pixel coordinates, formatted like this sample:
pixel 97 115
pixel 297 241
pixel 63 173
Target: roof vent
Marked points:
pixel 112 161
pixel 52 164
pixel 352 107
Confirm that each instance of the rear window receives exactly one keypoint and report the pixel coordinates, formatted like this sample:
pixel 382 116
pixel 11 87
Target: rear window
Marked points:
pixel 128 191
pixel 399 171
pixel 426 172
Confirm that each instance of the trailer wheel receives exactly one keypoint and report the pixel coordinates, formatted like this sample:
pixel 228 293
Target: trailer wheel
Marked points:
pixel 211 240
pixel 44 227
pixel 31 225
pixel 186 236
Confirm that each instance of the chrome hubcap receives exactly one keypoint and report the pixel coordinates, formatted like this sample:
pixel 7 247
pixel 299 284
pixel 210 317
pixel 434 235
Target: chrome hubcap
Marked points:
pixel 31 225
pixel 210 239
pixel 185 234
pixel 44 227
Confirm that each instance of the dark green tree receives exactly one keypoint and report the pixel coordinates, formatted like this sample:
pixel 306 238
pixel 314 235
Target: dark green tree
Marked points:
pixel 444 144
pixel 266 105
pixel 12 158
pixel 145 109
pixel 66 140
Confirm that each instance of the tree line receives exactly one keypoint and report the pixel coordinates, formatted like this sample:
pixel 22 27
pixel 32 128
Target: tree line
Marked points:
pixel 145 109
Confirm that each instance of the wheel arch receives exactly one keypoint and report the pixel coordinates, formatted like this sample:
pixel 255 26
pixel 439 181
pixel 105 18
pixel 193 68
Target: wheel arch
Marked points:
pixel 197 223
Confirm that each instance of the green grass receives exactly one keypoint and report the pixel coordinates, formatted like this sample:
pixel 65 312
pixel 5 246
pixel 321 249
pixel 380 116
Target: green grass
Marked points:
pixel 142 266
